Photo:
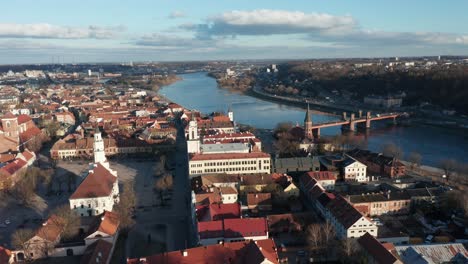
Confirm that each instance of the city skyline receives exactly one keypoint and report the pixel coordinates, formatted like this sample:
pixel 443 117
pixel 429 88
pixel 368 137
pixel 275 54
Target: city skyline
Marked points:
pixel 51 32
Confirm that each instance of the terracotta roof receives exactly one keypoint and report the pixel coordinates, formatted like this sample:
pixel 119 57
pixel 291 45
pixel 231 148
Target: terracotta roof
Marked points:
pixel 6 157
pixel 30 133
pixel 248 252
pixel 51 228
pixel 259 199
pixel 375 249
pixel 322 175
pixel 253 155
pixel 210 229
pixel 107 223
pixel 228 190
pixel 14 166
pixel 23 119
pixel 224 211
pixel 98 183
pixel 97 253
pixel 28 155
pixel 245 227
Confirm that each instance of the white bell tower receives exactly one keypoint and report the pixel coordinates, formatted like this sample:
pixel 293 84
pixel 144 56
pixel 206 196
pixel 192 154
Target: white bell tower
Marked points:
pixel 193 142
pixel 98 146
pixel 230 114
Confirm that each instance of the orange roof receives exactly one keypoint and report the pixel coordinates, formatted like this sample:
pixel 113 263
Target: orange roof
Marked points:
pixel 28 155
pixel 322 175
pixel 247 252
pixel 221 119
pixel 259 199
pixel 30 133
pixel 6 157
pixel 107 223
pixel 98 183
pixel 253 155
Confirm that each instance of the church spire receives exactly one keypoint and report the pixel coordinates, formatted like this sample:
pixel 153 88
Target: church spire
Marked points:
pixel 308 117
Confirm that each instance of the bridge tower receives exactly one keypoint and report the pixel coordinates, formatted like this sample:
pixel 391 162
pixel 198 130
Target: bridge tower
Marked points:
pixel 308 133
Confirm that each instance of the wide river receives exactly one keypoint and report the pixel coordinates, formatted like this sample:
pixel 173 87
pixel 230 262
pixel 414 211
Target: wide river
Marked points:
pixel 200 92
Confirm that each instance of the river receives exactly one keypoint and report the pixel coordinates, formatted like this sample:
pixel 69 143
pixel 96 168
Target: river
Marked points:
pixel 200 92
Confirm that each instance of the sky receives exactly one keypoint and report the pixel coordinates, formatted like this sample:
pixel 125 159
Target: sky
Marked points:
pixel 72 31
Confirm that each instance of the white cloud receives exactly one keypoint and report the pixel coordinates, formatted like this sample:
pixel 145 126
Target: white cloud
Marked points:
pixel 176 14
pixel 270 22
pixel 48 31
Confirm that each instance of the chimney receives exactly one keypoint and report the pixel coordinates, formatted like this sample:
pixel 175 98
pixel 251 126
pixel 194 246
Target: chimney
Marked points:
pixel 185 253
pixel 102 218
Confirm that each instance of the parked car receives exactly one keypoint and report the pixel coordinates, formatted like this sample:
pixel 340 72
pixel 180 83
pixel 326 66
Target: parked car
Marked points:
pixel 7 222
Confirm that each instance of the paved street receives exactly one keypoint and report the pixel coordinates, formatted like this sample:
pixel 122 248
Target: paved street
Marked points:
pixel 172 222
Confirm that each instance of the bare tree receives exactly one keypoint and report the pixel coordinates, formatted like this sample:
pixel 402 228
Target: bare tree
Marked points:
pixel 20 238
pixel 126 206
pixel 328 232
pixel 67 220
pixel 392 150
pixel 349 248
pixel 24 190
pixel 163 184
pixel 314 236
pixel 415 159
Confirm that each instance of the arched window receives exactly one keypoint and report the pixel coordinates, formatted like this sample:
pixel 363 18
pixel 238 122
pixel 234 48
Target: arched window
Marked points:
pixel 8 124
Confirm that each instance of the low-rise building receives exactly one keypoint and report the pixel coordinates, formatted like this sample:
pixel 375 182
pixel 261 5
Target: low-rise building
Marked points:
pixel 230 163
pixel 376 204
pixel 259 201
pixel 325 178
pixel 379 164
pixel 375 252
pixel 259 251
pixel 232 230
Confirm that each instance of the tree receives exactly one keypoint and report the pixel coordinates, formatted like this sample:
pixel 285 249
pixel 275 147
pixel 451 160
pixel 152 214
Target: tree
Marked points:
pixel 314 236
pixel 448 165
pixel 126 206
pixel 415 159
pixel 349 248
pixel 20 238
pixel 286 147
pixel 68 220
pixel 24 190
pixel 163 184
pixel 392 150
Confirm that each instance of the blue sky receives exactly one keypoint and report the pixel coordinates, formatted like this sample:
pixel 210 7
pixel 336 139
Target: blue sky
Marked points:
pixel 43 31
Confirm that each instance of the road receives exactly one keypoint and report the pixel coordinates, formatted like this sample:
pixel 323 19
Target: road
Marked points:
pixel 175 219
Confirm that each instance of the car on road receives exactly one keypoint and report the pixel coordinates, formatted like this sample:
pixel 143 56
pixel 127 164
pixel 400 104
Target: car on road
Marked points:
pixel 7 222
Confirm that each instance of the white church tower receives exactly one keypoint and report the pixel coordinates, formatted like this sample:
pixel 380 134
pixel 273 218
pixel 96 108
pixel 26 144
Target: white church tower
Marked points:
pixel 230 114
pixel 98 148
pixel 193 142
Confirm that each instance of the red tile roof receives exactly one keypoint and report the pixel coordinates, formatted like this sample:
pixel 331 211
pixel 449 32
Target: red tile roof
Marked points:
pixel 13 167
pixel 322 175
pixel 23 119
pixel 98 183
pixel 253 155
pixel 210 229
pixel 245 252
pixel 30 133
pixel 245 227
pixel 28 155
pixel 258 199
pixel 376 250
pixel 107 223
pixel 224 211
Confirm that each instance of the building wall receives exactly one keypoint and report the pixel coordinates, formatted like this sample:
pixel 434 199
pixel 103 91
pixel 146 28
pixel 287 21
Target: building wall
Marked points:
pixel 229 198
pixel 361 227
pixel 355 172
pixel 231 166
pixel 97 205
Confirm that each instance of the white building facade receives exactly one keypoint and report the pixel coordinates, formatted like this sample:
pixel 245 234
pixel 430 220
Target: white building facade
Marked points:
pixel 230 163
